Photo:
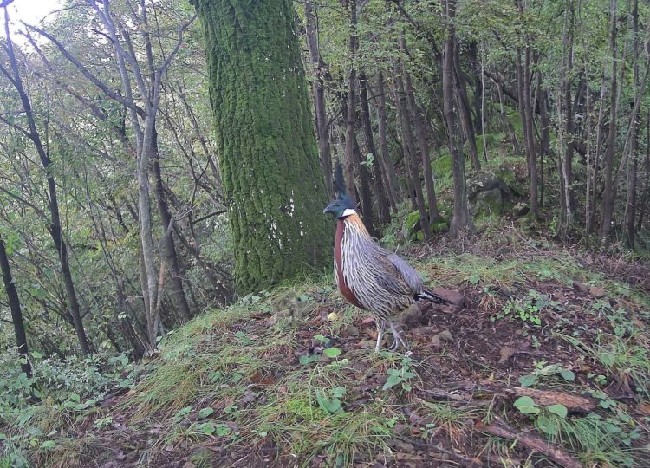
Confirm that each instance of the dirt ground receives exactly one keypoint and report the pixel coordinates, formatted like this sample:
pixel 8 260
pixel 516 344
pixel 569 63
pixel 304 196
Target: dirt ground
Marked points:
pixel 467 356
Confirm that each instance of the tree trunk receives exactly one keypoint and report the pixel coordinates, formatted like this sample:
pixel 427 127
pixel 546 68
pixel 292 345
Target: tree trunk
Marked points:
pixel 465 112
pixel 383 207
pixel 353 157
pixel 644 199
pixel 524 97
pixel 565 126
pixel 421 138
pixel 318 91
pixel 364 186
pixel 630 202
pixel 168 251
pixel 272 176
pixel 609 194
pixel 545 139
pixel 386 160
pixel 591 207
pixel 408 143
pixel 461 220
pixel 16 312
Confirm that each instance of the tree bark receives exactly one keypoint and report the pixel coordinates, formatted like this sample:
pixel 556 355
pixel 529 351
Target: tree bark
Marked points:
pixel 420 136
pixel 168 251
pixel 350 104
pixel 408 144
pixel 273 184
pixel 318 91
pixel 630 202
pixel 383 208
pixel 465 112
pixel 386 160
pixel 565 126
pixel 609 194
pixel 16 311
pixel 545 135
pixel 461 219
pixel 524 98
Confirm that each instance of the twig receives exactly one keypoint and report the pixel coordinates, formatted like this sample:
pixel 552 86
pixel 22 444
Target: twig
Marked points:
pixel 532 442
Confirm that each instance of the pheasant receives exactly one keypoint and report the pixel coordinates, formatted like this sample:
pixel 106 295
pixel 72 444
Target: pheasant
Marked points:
pixel 370 277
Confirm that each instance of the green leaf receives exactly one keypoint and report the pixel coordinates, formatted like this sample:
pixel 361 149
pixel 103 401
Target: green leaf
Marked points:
pixel 48 444
pixel 526 405
pixel 306 359
pixel 558 409
pixel 205 412
pixel 567 375
pixel 207 428
pixel 547 425
pixel 394 378
pixel 332 352
pixel 528 380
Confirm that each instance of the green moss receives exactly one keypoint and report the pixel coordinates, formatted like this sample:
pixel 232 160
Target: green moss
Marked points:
pixel 267 150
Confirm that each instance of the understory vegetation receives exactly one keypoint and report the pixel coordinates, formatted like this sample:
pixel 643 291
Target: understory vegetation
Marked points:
pixel 547 360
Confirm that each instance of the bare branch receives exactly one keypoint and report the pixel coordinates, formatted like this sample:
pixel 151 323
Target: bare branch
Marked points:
pixel 86 73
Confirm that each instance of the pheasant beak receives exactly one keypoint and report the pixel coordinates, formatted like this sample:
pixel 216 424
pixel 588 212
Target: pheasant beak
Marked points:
pixel 330 208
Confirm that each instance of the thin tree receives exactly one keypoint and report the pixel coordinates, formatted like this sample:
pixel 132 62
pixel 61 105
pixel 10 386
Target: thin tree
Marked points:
pixel 609 193
pixel 16 311
pixel 318 92
pixel 383 208
pixel 55 228
pixel 461 219
pixel 388 170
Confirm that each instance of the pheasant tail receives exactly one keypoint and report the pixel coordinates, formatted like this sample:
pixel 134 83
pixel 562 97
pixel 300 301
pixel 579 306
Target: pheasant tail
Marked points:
pixel 429 295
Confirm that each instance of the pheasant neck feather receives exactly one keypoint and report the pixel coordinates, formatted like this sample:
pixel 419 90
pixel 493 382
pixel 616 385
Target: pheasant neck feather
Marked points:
pixel 346 227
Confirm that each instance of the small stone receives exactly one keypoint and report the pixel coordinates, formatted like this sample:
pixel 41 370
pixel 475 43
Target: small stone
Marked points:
pixel 451 295
pixel 283 313
pixel 520 209
pixel 435 341
pixel 597 292
pixel 446 336
pixel 352 331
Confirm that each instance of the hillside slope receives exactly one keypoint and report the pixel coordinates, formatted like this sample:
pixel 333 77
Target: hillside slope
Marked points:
pixel 547 363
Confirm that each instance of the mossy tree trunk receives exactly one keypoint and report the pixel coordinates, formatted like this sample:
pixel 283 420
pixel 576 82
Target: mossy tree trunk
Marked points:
pixel 268 156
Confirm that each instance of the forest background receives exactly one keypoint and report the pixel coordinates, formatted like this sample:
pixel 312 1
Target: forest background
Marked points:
pixel 124 213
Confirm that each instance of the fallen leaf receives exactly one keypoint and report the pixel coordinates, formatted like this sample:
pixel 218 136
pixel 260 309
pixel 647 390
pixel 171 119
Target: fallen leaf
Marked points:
pixel 644 409
pixel 446 336
pixel 597 292
pixel 506 353
pixel 547 398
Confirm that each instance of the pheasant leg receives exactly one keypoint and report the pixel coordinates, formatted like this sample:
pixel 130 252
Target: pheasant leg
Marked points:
pixel 381 327
pixel 398 339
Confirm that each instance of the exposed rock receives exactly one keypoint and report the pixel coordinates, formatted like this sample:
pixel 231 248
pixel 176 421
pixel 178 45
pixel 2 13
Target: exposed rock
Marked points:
pixel 412 230
pixel 446 335
pixel 451 295
pixel 488 194
pixel 520 209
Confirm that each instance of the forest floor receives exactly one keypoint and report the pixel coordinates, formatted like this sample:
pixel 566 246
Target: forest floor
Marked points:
pixel 545 364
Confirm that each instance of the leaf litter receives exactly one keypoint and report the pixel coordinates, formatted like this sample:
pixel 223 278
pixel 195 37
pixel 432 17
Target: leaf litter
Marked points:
pixel 303 388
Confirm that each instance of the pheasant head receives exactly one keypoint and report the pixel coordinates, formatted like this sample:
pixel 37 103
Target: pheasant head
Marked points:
pixel 341 207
